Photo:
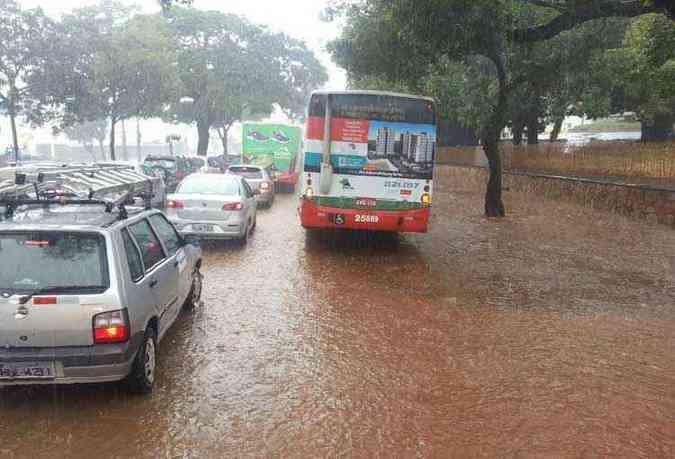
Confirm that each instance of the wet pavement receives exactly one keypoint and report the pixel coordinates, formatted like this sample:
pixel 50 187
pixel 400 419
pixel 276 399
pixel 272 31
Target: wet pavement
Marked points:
pixel 549 334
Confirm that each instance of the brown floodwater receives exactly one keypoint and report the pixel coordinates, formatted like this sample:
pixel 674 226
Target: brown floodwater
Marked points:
pixel 549 334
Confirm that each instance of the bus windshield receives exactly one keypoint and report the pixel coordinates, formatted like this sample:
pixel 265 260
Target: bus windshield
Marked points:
pixel 375 107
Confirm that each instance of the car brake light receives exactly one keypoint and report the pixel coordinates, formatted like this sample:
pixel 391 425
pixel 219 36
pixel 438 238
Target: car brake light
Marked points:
pixel 264 186
pixel 111 327
pixel 44 300
pixel 173 204
pixel 233 206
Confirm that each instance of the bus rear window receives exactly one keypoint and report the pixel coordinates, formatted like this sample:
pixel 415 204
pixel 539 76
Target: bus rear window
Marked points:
pixel 375 107
pixel 47 259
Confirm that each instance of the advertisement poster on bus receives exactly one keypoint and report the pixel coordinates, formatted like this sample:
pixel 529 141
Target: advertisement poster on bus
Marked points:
pixel 376 148
pixel 271 144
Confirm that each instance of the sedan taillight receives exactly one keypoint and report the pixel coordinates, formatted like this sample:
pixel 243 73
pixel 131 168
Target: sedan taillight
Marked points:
pixel 174 204
pixel 233 206
pixel 111 327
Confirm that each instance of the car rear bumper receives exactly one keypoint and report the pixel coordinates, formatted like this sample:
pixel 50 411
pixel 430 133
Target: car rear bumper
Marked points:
pixel 75 365
pixel 233 228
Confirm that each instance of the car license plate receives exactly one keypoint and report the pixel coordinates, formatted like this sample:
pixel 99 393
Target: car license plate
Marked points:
pixel 26 370
pixel 202 228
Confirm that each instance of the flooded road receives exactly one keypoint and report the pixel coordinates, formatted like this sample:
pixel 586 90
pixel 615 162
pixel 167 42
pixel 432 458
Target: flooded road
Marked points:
pixel 550 334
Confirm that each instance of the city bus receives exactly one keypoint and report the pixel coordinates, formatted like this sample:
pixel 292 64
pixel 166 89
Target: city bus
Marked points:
pixel 368 161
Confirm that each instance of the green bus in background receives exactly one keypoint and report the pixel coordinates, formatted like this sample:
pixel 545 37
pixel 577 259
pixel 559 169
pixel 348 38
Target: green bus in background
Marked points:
pixel 274 146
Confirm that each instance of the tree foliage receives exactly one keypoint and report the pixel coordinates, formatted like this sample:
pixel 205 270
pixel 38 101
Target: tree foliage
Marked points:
pixel 453 44
pixel 230 68
pixel 108 64
pixel 642 74
pixel 23 39
pixel 88 133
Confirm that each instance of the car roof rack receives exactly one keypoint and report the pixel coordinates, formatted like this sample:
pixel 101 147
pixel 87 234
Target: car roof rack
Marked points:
pixel 113 186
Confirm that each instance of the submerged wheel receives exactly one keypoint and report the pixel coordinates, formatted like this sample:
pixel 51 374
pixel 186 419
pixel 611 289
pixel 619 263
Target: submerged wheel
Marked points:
pixel 141 380
pixel 195 294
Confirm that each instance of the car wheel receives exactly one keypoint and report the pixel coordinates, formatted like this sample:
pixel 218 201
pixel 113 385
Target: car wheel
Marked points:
pixel 141 380
pixel 195 294
pixel 244 238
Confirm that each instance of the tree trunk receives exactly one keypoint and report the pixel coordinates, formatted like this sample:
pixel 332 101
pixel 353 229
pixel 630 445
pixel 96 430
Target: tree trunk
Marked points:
pixel 138 140
pixel 533 131
pixel 494 206
pixel 100 147
pixel 125 150
pixel 11 110
pixel 517 133
pixel 15 137
pixel 557 126
pixel 112 138
pixel 661 128
pixel 223 133
pixel 203 129
pixel 89 148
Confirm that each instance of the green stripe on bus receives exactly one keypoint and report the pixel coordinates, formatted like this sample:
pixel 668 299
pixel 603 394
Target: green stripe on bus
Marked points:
pixel 350 203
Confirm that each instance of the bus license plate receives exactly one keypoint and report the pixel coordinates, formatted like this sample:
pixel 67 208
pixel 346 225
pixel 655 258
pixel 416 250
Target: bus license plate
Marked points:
pixel 366 219
pixel 23 370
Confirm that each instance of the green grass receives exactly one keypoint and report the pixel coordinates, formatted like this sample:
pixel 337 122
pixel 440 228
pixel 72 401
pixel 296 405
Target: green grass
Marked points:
pixel 597 159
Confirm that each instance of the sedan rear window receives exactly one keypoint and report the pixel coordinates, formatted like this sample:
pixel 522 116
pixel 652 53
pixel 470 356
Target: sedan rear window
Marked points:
pixel 209 184
pixel 45 259
pixel 247 172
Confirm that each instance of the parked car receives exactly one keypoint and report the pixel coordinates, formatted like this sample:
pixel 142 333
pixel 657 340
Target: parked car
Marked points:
pixel 213 206
pixel 259 178
pixel 170 168
pixel 90 293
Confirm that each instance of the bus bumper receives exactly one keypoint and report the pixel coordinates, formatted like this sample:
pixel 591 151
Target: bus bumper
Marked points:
pixel 403 221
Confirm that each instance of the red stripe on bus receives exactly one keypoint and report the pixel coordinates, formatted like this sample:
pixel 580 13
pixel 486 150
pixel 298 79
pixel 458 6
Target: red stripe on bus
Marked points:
pixel 314 128
pixel 403 221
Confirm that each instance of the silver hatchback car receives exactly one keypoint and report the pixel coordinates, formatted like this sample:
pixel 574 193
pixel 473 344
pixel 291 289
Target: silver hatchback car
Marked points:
pixel 213 206
pixel 87 293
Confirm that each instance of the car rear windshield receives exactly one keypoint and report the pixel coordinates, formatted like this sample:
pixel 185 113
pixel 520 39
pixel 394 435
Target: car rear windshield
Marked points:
pixel 210 184
pixel 44 259
pixel 247 172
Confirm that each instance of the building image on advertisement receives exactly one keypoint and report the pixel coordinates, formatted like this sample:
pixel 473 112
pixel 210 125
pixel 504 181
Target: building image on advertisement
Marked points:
pixel 386 142
pixel 417 148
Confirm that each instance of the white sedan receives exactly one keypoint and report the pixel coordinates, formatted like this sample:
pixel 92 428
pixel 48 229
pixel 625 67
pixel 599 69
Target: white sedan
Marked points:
pixel 213 206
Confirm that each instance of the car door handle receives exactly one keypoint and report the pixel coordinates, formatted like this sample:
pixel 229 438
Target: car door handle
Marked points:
pixel 153 283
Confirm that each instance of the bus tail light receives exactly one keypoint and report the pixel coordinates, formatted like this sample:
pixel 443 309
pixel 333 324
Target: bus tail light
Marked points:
pixel 111 327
